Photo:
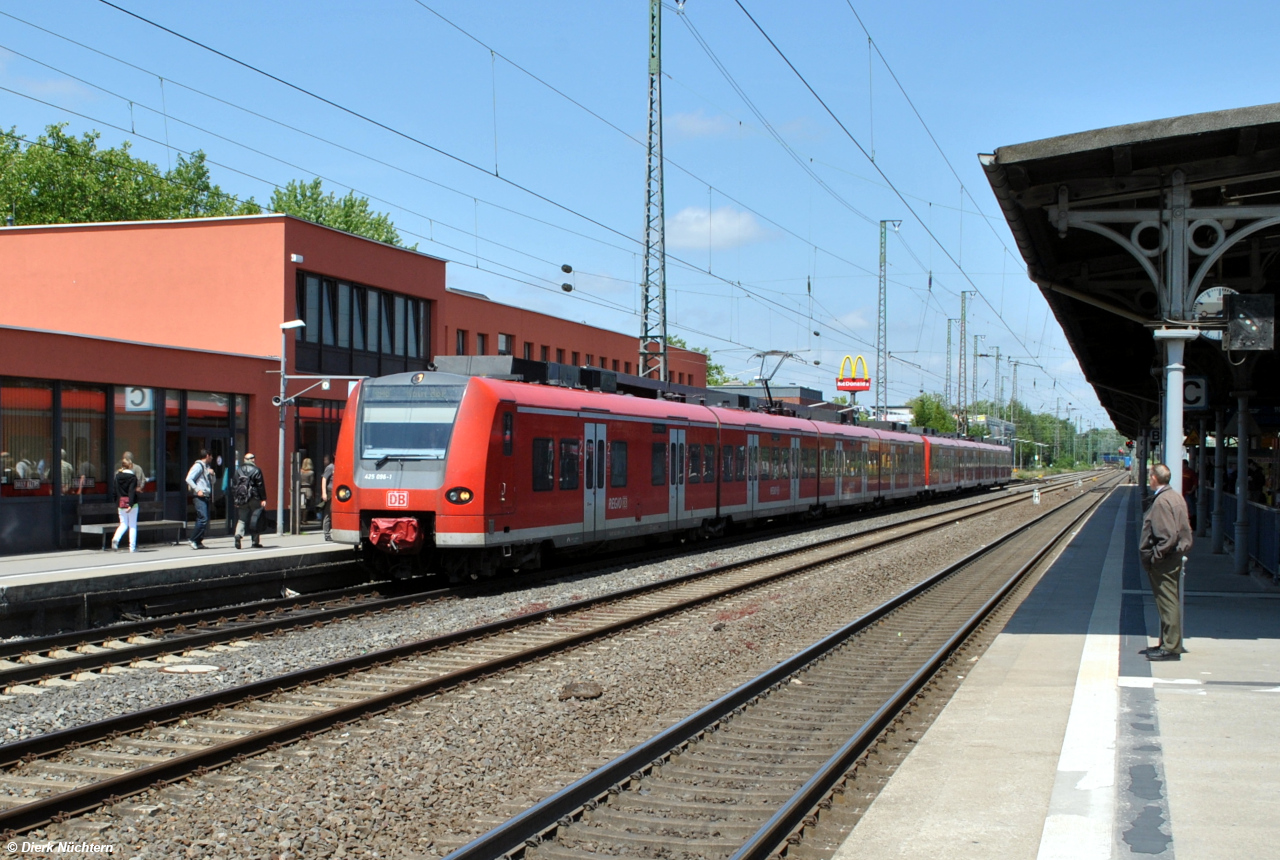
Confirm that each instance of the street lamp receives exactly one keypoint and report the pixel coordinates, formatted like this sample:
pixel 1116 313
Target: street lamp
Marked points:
pixel 284 406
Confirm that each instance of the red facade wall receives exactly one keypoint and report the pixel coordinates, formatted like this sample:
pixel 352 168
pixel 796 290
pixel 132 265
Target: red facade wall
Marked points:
pixel 481 316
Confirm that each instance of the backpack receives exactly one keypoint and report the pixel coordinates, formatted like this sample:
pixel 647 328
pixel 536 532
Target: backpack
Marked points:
pixel 242 490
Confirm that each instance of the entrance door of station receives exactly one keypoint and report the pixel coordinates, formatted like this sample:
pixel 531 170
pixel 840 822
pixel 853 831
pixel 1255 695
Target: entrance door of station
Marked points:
pixel 223 451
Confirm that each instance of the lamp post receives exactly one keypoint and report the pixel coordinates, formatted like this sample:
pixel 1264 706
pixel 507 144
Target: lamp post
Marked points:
pixel 284 406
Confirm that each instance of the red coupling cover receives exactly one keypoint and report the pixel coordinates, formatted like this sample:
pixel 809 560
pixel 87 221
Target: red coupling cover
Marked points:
pixel 396 534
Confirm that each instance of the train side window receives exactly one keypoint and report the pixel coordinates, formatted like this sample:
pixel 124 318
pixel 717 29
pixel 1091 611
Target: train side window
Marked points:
pixel 740 463
pixel 508 433
pixel 674 471
pixel 544 464
pixel 570 451
pixel 709 464
pixel 659 465
pixel 695 464
pixel 617 464
pixel 754 464
pixel 680 465
pixel 590 470
pixel 726 464
pixel 600 463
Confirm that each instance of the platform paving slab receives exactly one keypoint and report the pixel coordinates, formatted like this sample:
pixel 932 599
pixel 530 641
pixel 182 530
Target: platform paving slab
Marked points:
pixel 1064 742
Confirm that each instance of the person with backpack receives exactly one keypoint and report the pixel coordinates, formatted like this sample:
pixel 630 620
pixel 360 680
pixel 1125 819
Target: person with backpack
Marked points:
pixel 249 495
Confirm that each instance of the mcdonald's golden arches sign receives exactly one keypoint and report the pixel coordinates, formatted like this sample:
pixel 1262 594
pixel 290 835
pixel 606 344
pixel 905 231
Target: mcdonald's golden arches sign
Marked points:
pixel 853 382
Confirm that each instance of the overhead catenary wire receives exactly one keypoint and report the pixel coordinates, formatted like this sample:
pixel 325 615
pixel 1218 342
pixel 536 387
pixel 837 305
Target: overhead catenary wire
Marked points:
pixel 892 187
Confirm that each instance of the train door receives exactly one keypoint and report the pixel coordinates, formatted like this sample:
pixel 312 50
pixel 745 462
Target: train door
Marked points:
pixel 837 469
pixel 753 471
pixel 797 468
pixel 678 516
pixel 594 503
pixel 506 468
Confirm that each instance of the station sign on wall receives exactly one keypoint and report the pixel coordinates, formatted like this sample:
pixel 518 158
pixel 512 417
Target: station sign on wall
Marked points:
pixel 851 381
pixel 137 399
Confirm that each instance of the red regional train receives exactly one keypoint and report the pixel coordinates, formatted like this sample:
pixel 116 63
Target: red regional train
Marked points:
pixel 468 475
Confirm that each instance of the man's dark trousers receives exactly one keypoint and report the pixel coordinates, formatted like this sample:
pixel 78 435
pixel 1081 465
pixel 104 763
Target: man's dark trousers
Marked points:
pixel 202 520
pixel 1164 585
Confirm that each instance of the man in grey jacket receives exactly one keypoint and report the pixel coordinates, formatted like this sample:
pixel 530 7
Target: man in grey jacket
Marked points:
pixel 1166 537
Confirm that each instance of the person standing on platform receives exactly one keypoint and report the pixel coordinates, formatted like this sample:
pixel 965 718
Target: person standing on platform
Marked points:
pixel 200 482
pixel 250 496
pixel 307 487
pixel 1166 537
pixel 126 487
pixel 326 496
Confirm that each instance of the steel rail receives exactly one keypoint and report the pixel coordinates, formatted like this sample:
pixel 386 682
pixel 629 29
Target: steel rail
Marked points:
pixel 246 627
pixel 527 828
pixel 792 813
pixel 78 800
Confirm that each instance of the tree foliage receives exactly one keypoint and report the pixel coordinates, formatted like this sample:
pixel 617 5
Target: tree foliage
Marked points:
pixel 716 374
pixel 349 213
pixel 63 179
pixel 928 410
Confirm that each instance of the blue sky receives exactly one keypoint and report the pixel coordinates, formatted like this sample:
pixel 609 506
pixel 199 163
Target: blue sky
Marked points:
pixel 749 231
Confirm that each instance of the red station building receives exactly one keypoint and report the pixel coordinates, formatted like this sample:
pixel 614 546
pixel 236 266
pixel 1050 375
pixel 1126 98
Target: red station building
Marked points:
pixel 162 338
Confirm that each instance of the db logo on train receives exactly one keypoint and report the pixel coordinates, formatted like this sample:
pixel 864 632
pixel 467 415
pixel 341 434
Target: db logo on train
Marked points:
pixel 397 499
pixel 853 382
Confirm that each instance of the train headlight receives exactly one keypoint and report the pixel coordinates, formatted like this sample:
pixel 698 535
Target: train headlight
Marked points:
pixel 343 494
pixel 459 495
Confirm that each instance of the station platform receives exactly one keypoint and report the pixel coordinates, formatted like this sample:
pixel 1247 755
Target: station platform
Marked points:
pixel 1064 742
pixel 85 587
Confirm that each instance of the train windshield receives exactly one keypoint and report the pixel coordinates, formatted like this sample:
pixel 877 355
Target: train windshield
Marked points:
pixel 408 422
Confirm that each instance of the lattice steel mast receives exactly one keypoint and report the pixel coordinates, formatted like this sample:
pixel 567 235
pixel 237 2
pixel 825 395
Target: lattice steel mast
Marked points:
pixel 653 311
pixel 882 328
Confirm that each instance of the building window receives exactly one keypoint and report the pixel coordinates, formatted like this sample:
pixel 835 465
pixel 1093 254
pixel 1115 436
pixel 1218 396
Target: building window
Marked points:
pixel 135 424
pixel 506 343
pixel 604 363
pixel 546 353
pixel 575 360
pixel 344 319
pixel 559 356
pixel 591 359
pixel 528 351
pixel 615 365
pixel 626 367
pixel 460 346
pixel 83 450
pixel 26 437
pixel 482 344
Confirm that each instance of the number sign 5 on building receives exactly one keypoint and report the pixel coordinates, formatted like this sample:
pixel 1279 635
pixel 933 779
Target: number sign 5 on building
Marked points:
pixel 397 498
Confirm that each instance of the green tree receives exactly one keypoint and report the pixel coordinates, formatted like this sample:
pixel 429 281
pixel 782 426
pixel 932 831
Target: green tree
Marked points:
pixel 349 213
pixel 716 374
pixel 928 410
pixel 63 179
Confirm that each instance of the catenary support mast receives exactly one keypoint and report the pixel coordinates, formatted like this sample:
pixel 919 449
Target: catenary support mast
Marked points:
pixel 653 314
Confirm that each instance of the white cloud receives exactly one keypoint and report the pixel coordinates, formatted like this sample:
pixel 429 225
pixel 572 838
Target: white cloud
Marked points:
pixel 856 320
pixel 726 227
pixel 698 124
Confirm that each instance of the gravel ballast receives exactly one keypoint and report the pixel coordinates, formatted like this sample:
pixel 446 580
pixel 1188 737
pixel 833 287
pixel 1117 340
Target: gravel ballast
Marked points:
pixel 427 778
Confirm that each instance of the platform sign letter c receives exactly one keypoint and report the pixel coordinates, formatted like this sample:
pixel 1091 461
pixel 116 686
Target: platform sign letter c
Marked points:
pixel 397 499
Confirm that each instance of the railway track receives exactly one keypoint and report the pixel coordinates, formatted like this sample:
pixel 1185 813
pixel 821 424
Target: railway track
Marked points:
pixel 52 776
pixel 25 665
pixel 743 777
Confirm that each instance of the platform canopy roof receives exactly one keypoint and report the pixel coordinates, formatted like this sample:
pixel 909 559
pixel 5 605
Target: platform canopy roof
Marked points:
pixel 1076 207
